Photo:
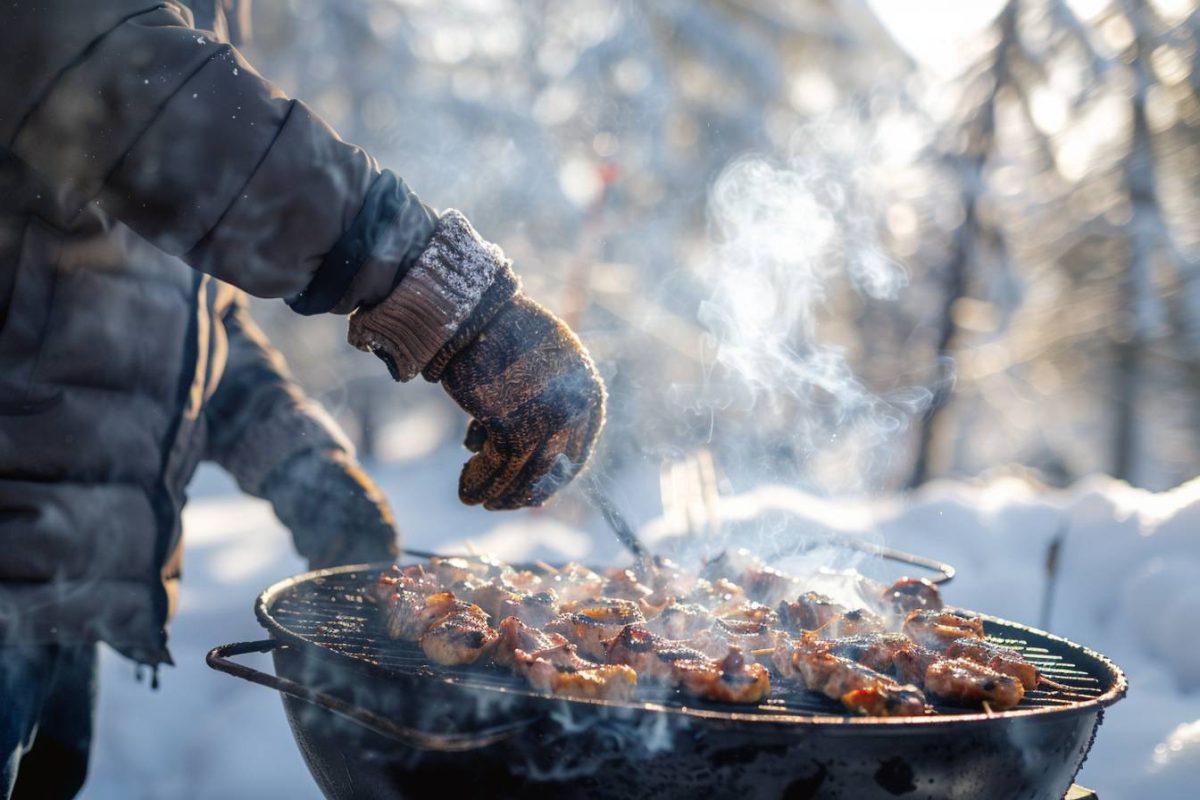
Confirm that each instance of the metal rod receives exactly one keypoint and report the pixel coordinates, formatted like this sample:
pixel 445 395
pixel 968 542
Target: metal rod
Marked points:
pixel 620 526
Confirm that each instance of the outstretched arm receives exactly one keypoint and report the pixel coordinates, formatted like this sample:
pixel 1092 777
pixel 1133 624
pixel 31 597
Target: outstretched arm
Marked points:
pixel 125 104
pixel 280 445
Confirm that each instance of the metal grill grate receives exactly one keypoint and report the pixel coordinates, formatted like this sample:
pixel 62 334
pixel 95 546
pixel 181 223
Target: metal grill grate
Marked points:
pixel 331 612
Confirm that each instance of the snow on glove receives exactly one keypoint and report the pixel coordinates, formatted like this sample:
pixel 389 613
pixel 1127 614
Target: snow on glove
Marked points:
pixel 336 514
pixel 537 401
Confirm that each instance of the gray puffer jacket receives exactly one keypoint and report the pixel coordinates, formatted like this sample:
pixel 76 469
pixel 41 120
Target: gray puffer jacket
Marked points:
pixel 145 171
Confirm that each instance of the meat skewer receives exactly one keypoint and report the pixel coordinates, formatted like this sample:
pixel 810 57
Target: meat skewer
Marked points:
pixel 858 687
pixel 591 624
pixel 727 680
pixel 449 631
pixel 551 664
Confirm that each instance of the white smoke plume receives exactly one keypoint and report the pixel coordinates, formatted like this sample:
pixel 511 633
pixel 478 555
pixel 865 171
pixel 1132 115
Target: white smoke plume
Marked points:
pixel 784 232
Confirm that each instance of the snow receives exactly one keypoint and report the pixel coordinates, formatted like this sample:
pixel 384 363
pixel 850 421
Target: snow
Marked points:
pixel 1128 585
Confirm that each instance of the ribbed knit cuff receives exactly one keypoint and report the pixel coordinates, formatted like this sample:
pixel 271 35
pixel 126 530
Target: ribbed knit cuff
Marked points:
pixel 414 322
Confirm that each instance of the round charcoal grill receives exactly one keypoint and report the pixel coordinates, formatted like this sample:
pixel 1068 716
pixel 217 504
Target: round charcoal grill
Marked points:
pixel 374 718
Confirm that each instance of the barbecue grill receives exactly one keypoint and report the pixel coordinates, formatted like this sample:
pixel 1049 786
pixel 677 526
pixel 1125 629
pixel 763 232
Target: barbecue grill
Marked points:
pixel 374 718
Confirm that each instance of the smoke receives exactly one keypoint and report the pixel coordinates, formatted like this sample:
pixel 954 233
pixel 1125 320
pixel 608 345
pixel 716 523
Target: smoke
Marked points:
pixel 786 232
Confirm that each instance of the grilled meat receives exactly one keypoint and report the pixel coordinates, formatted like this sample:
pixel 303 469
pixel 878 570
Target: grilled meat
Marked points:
pixel 858 622
pixel 516 635
pixel 533 609
pixel 875 650
pixel 592 623
pixel 460 637
pixel 728 680
pixel 857 687
pixel 961 680
pixel 911 594
pixel 937 629
pixel 1001 659
pixel 681 621
pixel 808 612
pixel 551 664
pixel 624 584
pixel 407 614
pixel 575 582
pixel 759 581
pixel 595 681
pixel 716 640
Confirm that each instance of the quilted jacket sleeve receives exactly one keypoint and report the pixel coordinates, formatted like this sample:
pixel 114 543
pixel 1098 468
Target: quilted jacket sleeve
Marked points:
pixel 124 103
pixel 258 418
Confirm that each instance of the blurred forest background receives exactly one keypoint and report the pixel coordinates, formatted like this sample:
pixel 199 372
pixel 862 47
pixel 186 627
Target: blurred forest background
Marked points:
pixel 934 238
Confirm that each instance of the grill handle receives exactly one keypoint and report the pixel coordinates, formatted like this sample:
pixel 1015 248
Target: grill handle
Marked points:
pixel 219 659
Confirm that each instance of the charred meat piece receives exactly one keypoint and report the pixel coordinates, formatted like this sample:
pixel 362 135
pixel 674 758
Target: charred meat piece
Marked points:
pixel 460 636
pixel 566 679
pixel 714 594
pixel 728 680
pixel 857 687
pixel 550 664
pixel 671 580
pixel 413 577
pixel 969 683
pixel 522 581
pixel 516 635
pixel 533 609
pixel 747 610
pixel 624 584
pixel 575 582
pixel 723 634
pixel 808 612
pixel 491 596
pixel 681 621
pixel 1001 659
pixel 937 629
pixel 652 657
pixel 911 663
pixel 589 625
pixel 858 622
pixel 408 614
pixel 875 650
pixel 759 581
pixel 911 594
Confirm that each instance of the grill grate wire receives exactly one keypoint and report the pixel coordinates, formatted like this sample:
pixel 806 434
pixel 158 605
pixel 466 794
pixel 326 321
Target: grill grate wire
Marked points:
pixel 331 612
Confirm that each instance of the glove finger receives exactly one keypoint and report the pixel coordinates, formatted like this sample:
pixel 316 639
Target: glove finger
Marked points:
pixel 544 473
pixel 476 436
pixel 562 450
pixel 487 474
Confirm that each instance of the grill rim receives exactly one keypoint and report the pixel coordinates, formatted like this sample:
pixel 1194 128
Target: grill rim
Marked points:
pixel 1117 689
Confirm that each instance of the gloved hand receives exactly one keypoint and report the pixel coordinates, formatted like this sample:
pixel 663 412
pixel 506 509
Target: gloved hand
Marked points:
pixel 537 401
pixel 337 515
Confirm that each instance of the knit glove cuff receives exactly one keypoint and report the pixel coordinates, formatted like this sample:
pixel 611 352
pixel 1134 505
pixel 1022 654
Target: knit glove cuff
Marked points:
pixel 421 315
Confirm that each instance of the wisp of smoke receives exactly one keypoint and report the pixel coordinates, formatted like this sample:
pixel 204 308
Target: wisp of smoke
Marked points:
pixel 784 231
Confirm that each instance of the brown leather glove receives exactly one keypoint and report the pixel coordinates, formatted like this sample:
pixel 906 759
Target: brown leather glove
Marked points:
pixel 537 401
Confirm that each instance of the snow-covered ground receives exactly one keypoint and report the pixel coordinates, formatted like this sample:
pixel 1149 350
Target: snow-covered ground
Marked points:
pixel 1129 586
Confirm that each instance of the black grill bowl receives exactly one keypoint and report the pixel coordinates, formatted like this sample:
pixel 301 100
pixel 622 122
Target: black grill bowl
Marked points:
pixel 373 720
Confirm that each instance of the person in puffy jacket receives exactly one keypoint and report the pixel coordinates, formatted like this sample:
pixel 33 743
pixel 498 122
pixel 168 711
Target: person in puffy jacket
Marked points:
pixel 149 177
